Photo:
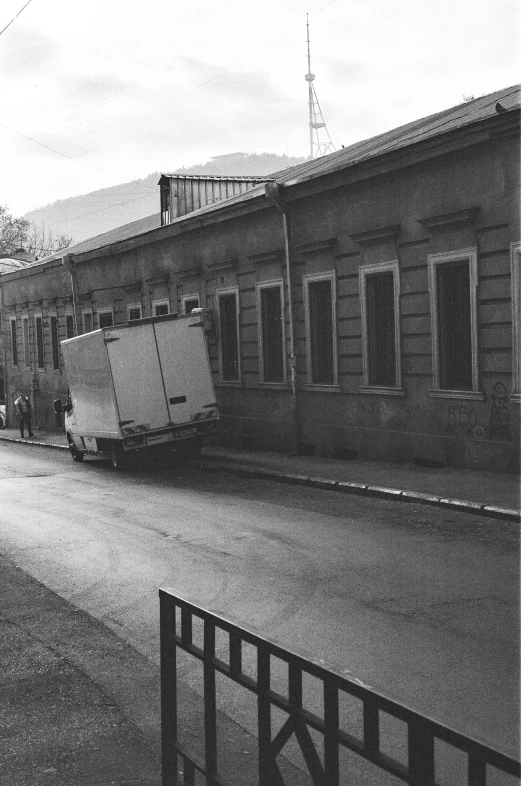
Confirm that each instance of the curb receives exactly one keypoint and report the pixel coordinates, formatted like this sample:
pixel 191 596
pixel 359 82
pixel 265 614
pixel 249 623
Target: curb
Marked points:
pixel 345 487
pixel 361 489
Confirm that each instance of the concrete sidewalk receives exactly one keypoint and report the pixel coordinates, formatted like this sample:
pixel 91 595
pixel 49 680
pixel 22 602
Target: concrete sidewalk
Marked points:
pixel 483 493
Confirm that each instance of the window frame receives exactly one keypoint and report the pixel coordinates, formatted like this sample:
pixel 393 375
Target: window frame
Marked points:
pixel 186 298
pixel 308 279
pixel 373 269
pixel 87 312
pixel 70 316
pixel 433 262
pixel 277 283
pixel 55 341
pixel 103 312
pixel 26 341
pixel 161 302
pixel 38 319
pixel 14 340
pixel 134 306
pixel 222 293
pixel 515 262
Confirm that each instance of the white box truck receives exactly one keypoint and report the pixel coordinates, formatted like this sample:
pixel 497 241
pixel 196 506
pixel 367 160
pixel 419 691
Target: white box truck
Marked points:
pixel 139 386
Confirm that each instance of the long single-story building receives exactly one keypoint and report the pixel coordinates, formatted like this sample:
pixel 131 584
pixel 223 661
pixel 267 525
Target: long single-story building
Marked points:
pixel 366 303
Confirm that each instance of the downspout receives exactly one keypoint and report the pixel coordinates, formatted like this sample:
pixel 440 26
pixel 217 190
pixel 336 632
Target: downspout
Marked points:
pixel 274 193
pixel 4 355
pixel 68 264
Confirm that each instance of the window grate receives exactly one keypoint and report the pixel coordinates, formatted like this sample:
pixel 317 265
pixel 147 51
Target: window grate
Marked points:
pixel 381 338
pixel 271 325
pixel 229 339
pixel 454 326
pixel 321 332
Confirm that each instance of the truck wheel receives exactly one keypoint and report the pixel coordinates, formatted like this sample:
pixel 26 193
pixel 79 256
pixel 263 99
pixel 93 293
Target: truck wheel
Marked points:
pixel 118 459
pixel 77 455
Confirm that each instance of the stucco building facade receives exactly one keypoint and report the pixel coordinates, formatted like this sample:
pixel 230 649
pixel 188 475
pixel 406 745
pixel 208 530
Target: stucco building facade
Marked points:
pixel 365 304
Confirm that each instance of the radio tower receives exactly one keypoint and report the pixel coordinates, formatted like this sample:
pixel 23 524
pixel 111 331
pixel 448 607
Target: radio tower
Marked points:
pixel 319 141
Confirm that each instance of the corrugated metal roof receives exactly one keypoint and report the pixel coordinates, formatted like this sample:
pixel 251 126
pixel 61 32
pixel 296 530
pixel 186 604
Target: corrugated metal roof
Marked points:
pixel 474 111
pixel 242 178
pixel 418 131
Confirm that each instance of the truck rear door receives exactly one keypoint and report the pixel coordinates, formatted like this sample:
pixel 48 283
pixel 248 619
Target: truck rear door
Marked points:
pixel 186 370
pixel 138 383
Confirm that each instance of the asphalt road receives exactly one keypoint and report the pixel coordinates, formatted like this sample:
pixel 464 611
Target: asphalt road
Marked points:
pixel 420 603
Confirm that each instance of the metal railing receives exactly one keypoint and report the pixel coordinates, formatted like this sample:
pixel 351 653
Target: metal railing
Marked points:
pixel 177 618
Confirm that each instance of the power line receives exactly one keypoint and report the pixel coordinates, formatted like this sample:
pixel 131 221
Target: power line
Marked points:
pixel 14 17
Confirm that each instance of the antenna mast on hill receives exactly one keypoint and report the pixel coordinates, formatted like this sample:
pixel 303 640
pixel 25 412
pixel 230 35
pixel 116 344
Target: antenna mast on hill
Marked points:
pixel 318 144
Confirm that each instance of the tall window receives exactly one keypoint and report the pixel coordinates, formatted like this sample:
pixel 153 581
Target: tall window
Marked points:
pixel 105 318
pixel 271 332
pixel 453 279
pixel 40 360
pixel 14 342
pixel 27 349
pixel 228 322
pixel 87 321
pixel 55 344
pixel 379 297
pixel 69 325
pixel 320 329
pixel 516 321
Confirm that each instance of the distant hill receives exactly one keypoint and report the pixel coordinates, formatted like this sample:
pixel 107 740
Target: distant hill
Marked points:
pixel 85 216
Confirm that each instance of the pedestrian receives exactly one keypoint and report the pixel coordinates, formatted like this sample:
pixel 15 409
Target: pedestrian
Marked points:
pixel 23 408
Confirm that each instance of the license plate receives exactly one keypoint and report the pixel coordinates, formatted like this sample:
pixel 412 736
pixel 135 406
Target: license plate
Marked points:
pixel 185 432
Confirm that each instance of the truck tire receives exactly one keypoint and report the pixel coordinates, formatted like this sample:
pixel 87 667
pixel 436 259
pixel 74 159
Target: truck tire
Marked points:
pixel 77 455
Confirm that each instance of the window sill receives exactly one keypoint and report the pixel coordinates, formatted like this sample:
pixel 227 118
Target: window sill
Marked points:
pixel 376 390
pixel 272 385
pixel 312 388
pixel 474 395
pixel 222 383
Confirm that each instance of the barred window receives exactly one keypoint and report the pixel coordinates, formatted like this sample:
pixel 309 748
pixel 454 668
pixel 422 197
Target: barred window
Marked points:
pixel 229 337
pixel 380 327
pixel 189 303
pixel 453 283
pixel 134 311
pixel 14 342
pixel 320 331
pixel 272 348
pixel 87 321
pixel 160 307
pixel 27 348
pixel 55 344
pixel 105 318
pixel 454 329
pixel 40 359
pixel 69 325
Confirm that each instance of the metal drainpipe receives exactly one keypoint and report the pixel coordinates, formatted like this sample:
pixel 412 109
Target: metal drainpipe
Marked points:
pixel 68 264
pixel 274 193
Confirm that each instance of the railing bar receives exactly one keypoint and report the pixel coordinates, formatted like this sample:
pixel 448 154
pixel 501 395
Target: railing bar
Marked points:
pixel 210 700
pixel 188 772
pixel 235 654
pixel 311 757
pixel 331 729
pixel 371 726
pixel 294 686
pixel 186 627
pixel 168 659
pixel 421 754
pixel 477 769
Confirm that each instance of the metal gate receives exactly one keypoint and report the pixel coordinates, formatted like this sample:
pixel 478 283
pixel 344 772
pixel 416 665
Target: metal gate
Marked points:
pixel 177 632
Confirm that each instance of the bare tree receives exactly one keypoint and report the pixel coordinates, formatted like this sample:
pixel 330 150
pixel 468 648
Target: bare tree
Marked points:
pixel 17 233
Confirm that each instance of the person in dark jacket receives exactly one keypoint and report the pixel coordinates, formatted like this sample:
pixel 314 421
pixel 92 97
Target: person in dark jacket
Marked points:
pixel 24 411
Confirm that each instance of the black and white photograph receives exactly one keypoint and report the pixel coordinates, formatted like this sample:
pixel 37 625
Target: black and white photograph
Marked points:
pixel 260 392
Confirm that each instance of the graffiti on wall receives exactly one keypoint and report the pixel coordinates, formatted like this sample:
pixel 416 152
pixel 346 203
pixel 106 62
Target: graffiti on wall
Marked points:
pixel 463 421
pixel 499 424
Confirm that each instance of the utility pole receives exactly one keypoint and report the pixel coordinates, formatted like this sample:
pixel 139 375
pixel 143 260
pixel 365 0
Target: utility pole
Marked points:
pixel 319 141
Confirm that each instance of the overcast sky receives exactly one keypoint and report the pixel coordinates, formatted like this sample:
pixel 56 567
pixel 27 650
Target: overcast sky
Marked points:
pixel 115 89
